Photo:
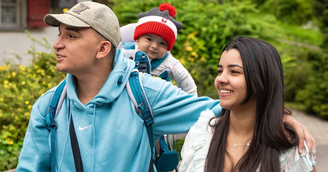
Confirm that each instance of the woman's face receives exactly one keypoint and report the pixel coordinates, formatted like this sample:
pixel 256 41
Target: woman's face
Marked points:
pixel 230 82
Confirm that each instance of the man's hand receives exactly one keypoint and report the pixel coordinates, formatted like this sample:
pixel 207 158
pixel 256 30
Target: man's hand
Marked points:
pixel 302 133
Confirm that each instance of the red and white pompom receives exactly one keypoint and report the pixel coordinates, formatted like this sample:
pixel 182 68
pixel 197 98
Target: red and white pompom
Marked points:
pixel 169 7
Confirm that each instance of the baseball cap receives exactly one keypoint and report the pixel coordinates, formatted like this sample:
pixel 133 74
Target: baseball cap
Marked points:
pixel 89 14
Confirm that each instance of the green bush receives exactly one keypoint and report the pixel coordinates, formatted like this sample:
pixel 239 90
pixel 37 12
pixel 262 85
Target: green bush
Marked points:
pixel 20 87
pixel 178 146
pixel 294 49
pixel 315 93
pixel 289 11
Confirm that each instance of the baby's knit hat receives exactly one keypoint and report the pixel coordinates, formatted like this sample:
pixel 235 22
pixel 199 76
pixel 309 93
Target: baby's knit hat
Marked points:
pixel 159 21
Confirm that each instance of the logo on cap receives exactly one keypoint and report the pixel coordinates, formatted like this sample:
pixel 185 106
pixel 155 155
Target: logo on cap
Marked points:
pixel 164 20
pixel 81 8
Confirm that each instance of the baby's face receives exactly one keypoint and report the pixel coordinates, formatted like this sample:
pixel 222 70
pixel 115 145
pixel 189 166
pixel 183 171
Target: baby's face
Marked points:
pixel 154 46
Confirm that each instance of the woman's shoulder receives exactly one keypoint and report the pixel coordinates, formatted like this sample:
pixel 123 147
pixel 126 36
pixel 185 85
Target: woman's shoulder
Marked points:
pixel 206 116
pixel 291 160
pixel 203 124
pixel 201 127
pixel 196 143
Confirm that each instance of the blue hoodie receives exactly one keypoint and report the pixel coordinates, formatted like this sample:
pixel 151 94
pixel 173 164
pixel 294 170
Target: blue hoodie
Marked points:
pixel 111 136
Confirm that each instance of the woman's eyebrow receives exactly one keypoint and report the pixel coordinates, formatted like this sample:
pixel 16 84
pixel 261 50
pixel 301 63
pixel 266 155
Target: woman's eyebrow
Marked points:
pixel 235 65
pixel 231 65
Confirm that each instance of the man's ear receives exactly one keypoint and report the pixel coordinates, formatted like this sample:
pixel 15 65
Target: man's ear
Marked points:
pixel 104 49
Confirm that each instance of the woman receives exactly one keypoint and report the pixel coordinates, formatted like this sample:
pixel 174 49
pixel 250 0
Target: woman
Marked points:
pixel 250 134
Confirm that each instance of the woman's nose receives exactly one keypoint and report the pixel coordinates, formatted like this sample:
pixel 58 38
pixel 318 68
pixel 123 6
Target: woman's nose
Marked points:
pixel 221 78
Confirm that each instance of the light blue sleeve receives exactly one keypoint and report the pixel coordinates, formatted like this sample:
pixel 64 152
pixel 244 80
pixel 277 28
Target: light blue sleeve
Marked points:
pixel 35 154
pixel 174 110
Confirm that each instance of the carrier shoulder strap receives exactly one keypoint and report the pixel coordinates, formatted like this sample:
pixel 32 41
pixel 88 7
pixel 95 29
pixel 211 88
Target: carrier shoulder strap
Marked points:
pixel 50 121
pixel 141 59
pixel 139 99
pixel 53 110
pixel 138 96
pixel 165 74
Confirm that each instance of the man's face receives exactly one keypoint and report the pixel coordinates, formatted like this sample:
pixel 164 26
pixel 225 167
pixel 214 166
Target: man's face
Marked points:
pixel 154 46
pixel 76 49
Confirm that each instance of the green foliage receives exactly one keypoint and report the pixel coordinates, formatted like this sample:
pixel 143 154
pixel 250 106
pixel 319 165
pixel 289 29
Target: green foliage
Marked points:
pixel 314 95
pixel 294 49
pixel 178 146
pixel 320 10
pixel 309 35
pixel 296 73
pixel 21 86
pixel 290 11
pixel 128 13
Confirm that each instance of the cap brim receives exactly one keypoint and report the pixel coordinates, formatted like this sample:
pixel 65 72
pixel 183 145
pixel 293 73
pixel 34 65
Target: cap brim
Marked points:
pixel 57 19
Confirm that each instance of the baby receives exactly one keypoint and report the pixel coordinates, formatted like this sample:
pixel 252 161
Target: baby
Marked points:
pixel 155 34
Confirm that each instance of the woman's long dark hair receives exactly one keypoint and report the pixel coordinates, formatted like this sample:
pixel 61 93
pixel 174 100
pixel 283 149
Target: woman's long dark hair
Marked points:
pixel 264 79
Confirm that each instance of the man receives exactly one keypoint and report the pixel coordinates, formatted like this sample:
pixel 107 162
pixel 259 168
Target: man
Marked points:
pixel 110 135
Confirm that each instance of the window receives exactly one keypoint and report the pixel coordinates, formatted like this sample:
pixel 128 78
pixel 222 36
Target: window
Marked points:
pixel 8 12
pixel 12 14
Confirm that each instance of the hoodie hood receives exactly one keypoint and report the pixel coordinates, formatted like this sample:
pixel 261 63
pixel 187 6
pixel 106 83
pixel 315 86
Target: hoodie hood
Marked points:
pixel 113 86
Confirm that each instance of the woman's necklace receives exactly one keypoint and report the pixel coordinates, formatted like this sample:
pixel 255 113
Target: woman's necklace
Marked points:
pixel 236 145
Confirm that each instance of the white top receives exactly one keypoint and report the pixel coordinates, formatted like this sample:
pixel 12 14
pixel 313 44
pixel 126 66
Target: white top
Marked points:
pixel 198 139
pixel 179 73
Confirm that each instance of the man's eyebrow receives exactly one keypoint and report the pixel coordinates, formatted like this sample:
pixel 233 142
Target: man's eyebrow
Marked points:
pixel 231 65
pixel 74 29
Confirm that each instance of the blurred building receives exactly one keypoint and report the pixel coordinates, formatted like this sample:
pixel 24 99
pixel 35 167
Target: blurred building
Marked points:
pixel 17 16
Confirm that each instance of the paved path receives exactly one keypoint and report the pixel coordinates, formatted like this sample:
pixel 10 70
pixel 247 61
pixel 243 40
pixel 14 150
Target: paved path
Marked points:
pixel 317 127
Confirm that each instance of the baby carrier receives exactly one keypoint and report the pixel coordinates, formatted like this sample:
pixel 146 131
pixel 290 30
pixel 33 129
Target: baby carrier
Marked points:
pixel 165 158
